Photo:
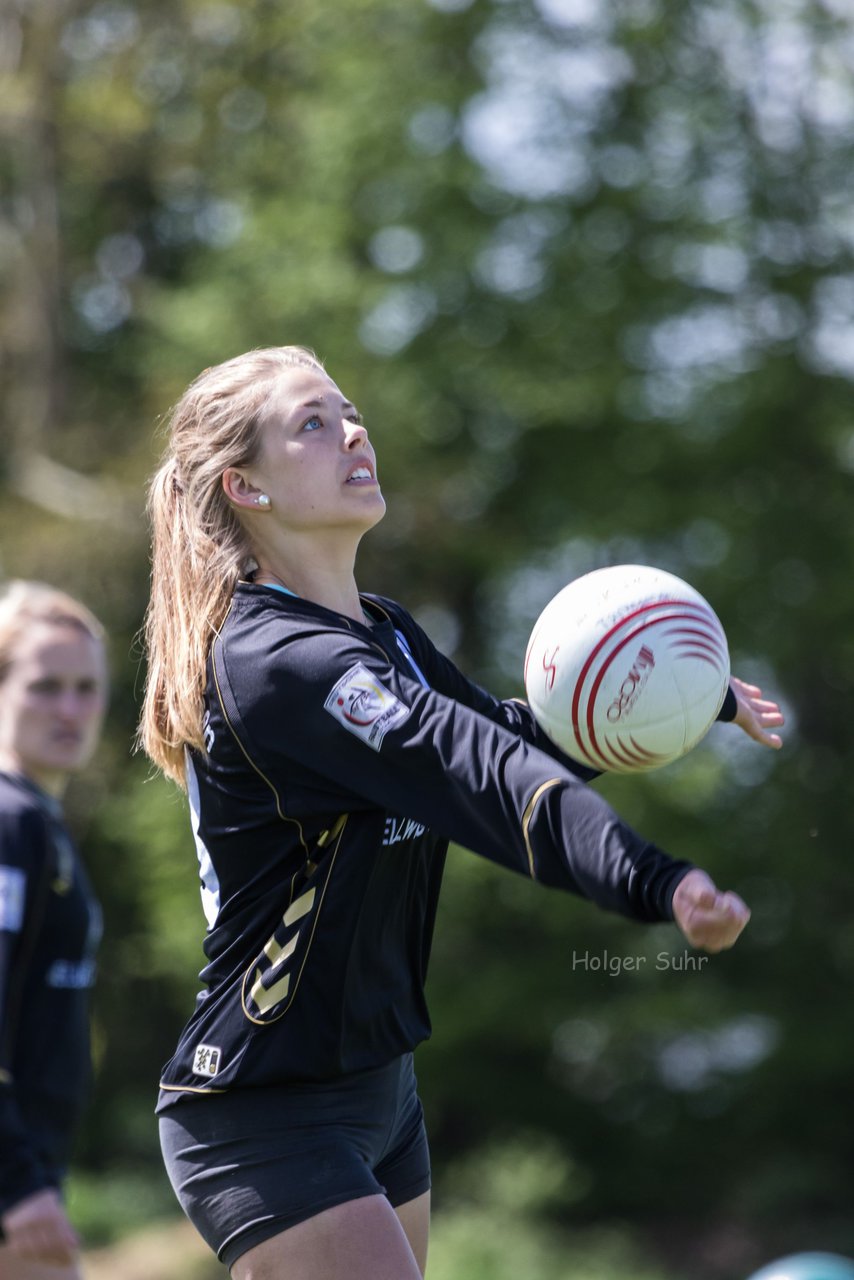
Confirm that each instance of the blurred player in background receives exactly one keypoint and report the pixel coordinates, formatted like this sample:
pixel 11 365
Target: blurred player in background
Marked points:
pixel 330 753
pixel 53 692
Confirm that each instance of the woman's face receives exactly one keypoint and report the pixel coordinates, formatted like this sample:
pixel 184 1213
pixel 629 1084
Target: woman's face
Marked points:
pixel 316 463
pixel 52 702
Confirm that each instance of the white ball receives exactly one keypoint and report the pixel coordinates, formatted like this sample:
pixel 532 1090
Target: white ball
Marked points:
pixel 627 668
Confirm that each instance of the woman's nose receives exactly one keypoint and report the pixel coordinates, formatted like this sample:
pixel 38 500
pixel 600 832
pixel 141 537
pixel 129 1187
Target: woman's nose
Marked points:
pixel 68 705
pixel 354 433
pixel 74 705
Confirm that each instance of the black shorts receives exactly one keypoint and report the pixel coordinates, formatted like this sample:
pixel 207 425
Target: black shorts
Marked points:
pixel 250 1163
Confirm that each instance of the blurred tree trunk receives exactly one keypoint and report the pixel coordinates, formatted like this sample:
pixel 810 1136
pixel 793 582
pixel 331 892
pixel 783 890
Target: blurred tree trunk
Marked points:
pixel 33 351
pixel 34 366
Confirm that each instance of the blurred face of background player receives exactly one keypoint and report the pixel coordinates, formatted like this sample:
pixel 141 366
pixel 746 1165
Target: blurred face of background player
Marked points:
pixel 316 465
pixel 52 699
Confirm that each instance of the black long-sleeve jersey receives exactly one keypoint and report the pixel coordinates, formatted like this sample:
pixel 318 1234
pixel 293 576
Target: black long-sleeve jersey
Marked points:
pixel 340 760
pixel 50 926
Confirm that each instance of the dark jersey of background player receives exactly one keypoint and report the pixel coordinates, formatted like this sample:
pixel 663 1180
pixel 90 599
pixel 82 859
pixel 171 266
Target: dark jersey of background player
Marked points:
pixel 50 925
pixel 52 699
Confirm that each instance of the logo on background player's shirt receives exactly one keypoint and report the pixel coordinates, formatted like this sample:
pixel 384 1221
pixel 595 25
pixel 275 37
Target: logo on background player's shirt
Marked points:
pixel 365 706
pixel 13 892
pixel 71 975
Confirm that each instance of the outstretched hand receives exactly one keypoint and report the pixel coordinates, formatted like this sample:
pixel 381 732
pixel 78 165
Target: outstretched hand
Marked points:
pixel 708 918
pixel 757 715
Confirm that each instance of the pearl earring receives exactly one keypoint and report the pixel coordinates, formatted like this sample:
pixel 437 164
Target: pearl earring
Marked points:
pixel 264 501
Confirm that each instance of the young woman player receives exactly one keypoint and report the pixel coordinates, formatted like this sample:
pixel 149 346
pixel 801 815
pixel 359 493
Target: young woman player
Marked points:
pixel 329 754
pixel 53 682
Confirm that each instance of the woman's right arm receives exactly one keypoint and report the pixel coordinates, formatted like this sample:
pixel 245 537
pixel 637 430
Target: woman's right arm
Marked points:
pixel 327 705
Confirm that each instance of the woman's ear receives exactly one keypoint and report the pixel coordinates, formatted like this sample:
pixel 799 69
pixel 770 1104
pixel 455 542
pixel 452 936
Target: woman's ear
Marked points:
pixel 242 493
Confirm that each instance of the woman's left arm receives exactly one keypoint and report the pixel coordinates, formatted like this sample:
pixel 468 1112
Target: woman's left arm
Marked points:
pixel 744 705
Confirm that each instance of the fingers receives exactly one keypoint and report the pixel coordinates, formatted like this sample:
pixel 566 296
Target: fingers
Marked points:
pixel 717 927
pixel 38 1229
pixel 767 739
pixel 752 690
pixel 753 694
pixel 768 712
pixel 51 1255
pixel 760 731
pixel 44 1246
pixel 756 715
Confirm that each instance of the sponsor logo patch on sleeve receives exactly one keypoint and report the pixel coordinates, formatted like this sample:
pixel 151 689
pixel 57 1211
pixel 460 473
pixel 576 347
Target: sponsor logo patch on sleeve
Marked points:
pixel 206 1060
pixel 365 706
pixel 13 892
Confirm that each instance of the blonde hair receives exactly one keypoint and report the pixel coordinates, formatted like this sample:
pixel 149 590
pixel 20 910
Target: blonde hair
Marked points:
pixel 24 603
pixel 198 545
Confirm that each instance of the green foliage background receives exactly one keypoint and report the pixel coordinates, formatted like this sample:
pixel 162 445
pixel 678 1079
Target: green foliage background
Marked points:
pixel 587 269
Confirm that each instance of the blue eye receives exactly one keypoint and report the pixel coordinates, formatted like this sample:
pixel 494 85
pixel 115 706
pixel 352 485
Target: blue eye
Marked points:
pixel 311 424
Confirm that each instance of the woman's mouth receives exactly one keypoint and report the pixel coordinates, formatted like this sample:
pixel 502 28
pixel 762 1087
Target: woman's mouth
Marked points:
pixel 360 475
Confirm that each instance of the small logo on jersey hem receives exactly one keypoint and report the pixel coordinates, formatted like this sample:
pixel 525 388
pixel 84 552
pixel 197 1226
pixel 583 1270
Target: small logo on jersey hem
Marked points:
pixel 206 1060
pixel 365 706
pixel 399 829
pixel 71 975
pixel 13 893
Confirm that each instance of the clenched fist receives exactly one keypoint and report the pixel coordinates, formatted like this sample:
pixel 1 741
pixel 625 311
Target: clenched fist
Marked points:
pixel 708 918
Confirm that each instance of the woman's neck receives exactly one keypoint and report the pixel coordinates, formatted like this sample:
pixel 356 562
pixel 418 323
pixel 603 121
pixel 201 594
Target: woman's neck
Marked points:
pixel 52 782
pixel 329 590
pixel 319 566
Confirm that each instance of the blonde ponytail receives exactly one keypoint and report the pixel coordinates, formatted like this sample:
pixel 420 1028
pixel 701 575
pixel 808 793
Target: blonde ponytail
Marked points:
pixel 198 545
